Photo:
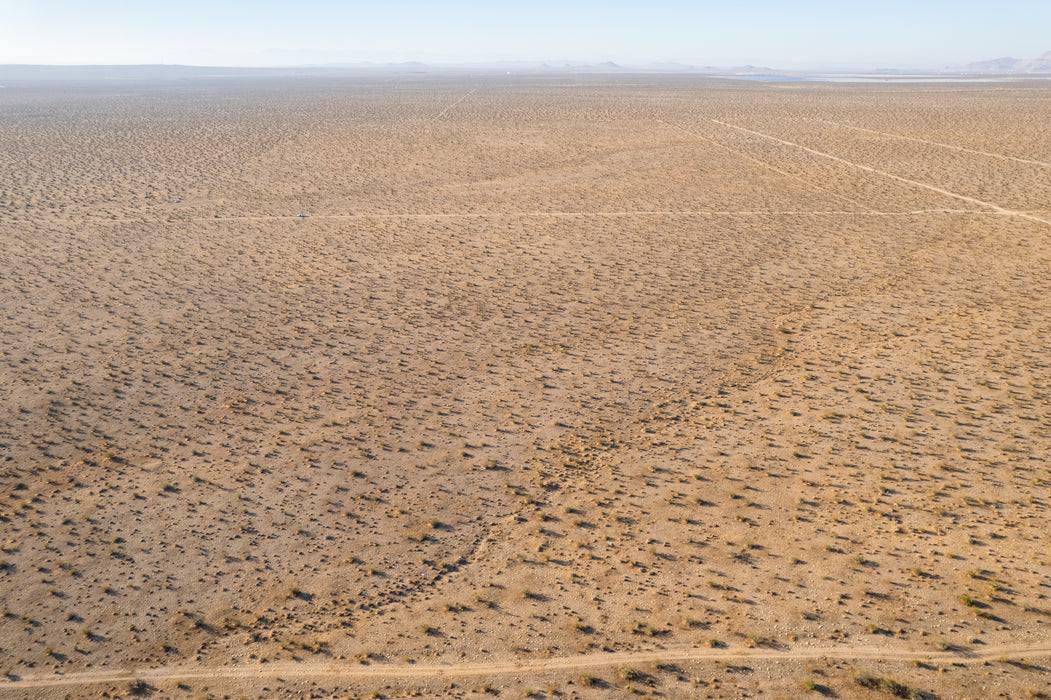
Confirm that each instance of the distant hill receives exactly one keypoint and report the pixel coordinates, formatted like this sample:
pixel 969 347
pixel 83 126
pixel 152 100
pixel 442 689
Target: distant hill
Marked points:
pixel 1040 64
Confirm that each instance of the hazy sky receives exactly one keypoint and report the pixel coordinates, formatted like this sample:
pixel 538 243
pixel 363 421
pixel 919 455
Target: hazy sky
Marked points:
pixel 801 34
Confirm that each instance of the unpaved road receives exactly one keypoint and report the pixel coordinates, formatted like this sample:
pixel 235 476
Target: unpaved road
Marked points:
pixel 351 670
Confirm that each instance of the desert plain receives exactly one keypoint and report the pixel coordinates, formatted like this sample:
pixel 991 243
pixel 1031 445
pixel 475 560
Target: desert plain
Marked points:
pixel 561 386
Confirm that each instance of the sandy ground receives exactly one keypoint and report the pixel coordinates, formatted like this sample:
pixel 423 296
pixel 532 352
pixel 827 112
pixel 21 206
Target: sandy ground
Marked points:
pixel 565 386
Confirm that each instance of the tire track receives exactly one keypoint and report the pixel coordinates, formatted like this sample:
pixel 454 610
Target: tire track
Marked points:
pixel 446 110
pixel 1040 163
pixel 552 214
pixel 740 154
pixel 593 214
pixel 932 188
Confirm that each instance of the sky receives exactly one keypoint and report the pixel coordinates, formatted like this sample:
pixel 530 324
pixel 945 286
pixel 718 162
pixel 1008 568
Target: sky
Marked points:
pixel 806 34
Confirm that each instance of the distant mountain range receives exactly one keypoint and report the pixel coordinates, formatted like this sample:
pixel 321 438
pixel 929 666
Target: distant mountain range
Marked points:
pixel 15 73
pixel 1040 64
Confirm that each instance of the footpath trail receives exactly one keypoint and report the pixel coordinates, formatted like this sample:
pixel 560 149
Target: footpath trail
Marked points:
pixel 350 670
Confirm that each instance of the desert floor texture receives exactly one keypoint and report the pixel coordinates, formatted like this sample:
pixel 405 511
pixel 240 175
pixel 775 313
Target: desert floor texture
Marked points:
pixel 565 386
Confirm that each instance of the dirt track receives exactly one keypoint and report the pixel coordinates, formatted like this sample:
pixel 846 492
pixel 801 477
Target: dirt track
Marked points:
pixel 939 190
pixel 350 670
pixel 1000 156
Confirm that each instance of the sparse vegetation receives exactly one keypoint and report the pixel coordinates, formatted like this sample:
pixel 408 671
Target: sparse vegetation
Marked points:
pixel 885 684
pixel 626 359
pixel 588 680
